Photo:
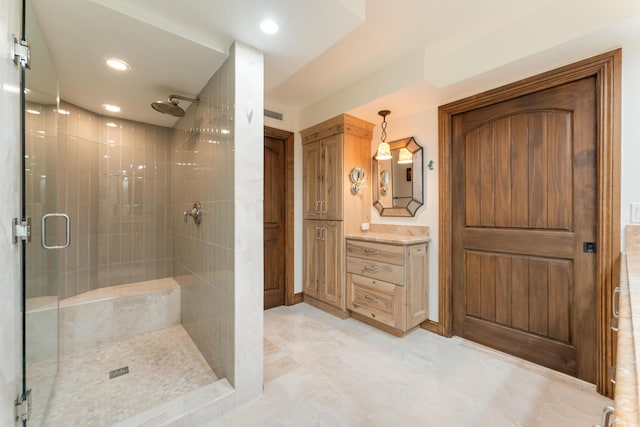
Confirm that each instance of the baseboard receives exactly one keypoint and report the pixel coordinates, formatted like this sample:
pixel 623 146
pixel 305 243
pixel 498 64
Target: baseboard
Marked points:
pixel 340 313
pixel 432 326
pixel 298 298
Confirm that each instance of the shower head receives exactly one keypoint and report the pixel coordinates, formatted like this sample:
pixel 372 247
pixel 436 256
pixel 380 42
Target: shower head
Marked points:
pixel 170 106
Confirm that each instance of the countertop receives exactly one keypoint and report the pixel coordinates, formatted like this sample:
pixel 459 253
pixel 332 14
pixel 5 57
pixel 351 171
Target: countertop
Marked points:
pixel 393 238
pixel 627 392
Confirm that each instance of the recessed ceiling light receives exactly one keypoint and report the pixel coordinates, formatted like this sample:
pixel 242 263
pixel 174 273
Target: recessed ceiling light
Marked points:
pixel 268 26
pixel 111 108
pixel 65 112
pixel 30 111
pixel 112 125
pixel 225 131
pixel 118 64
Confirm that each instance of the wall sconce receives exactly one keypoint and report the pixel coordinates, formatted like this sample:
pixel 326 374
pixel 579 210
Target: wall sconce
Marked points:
pixel 404 156
pixel 358 176
pixel 384 151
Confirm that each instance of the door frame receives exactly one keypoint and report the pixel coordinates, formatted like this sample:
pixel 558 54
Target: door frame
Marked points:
pixel 289 293
pixel 606 68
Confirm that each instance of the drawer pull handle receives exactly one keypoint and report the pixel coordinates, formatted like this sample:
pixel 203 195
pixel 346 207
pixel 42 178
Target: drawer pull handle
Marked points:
pixel 371 252
pixel 614 324
pixel 371 269
pixel 370 298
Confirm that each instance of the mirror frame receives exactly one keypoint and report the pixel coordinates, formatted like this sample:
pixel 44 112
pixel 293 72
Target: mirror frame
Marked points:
pixel 417 181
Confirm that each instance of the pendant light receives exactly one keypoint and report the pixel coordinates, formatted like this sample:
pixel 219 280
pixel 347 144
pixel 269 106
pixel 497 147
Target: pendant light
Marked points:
pixel 384 151
pixel 405 156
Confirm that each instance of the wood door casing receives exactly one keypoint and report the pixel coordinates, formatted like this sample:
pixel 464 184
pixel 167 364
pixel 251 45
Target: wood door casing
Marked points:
pixel 522 206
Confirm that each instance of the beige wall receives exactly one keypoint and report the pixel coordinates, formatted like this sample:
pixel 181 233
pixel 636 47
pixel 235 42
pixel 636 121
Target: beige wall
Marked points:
pixel 113 182
pixel 404 88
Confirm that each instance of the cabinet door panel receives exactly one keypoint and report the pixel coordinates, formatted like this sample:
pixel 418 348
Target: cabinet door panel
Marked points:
pixel 331 173
pixel 418 274
pixel 311 180
pixel 332 263
pixel 311 254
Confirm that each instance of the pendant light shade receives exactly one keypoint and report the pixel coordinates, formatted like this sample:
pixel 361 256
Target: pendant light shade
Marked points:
pixel 384 151
pixel 405 156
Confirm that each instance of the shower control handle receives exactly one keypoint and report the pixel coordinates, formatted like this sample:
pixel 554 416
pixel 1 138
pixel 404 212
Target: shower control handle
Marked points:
pixel 195 213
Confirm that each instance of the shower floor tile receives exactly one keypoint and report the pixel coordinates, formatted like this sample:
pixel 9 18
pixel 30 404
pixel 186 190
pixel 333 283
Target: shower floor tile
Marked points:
pixel 162 365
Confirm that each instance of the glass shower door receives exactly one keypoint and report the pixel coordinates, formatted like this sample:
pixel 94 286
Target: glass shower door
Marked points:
pixel 40 194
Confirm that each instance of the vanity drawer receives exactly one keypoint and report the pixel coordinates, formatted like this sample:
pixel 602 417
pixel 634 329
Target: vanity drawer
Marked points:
pixel 376 251
pixel 375 299
pixel 376 270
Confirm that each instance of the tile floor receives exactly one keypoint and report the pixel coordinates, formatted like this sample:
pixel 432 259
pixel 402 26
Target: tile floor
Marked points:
pixel 162 365
pixel 322 371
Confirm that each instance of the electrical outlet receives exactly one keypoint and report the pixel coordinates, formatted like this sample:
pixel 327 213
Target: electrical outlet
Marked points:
pixel 635 212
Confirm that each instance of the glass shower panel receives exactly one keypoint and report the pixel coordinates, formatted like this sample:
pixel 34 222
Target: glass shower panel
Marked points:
pixel 41 193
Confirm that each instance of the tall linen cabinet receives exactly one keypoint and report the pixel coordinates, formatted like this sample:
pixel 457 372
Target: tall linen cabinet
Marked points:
pixel 331 208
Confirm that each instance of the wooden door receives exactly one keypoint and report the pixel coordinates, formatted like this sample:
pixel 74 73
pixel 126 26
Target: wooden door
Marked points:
pixel 331 177
pixel 311 179
pixel 274 222
pixel 523 205
pixel 310 254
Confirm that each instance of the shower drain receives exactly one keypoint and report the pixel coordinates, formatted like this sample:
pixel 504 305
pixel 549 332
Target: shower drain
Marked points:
pixel 118 372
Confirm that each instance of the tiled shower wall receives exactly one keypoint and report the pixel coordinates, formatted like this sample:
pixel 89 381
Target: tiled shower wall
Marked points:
pixel 202 171
pixel 113 181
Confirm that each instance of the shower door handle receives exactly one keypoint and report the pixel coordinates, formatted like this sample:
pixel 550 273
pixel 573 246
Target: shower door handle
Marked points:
pixel 44 230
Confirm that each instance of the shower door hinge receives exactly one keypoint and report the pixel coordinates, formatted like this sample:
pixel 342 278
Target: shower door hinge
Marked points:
pixel 21 230
pixel 23 406
pixel 21 52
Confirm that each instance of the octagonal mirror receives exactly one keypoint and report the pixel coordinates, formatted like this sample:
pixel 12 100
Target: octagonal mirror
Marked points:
pixel 398 182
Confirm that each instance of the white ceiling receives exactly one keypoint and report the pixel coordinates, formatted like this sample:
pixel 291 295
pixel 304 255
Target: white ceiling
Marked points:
pixel 174 47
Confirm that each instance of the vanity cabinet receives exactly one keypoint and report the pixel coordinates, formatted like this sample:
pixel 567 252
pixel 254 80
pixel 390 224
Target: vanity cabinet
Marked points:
pixel 387 282
pixel 331 150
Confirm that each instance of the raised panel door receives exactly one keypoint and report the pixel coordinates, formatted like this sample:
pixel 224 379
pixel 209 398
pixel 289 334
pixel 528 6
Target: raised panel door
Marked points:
pixel 332 253
pixel 311 180
pixel 417 271
pixel 311 255
pixel 524 206
pixel 332 180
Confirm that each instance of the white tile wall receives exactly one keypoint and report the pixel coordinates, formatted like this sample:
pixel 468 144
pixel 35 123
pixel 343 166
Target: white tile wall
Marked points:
pixel 249 193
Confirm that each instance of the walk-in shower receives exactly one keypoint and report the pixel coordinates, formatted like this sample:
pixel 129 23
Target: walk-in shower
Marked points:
pixel 144 319
pixel 135 318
